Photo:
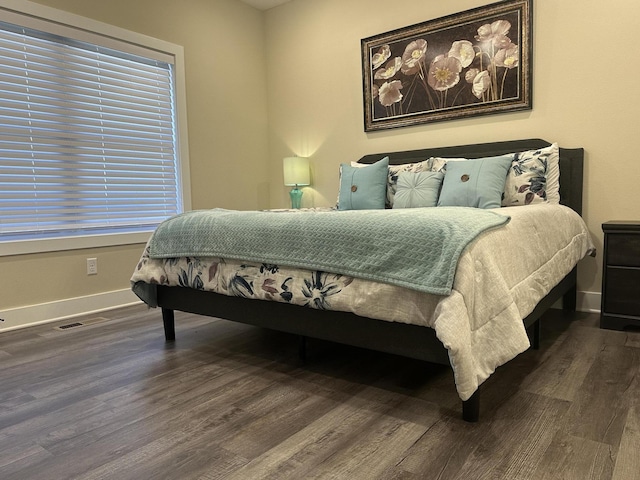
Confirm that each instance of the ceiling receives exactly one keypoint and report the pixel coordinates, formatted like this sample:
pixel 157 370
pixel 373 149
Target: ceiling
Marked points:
pixel 264 4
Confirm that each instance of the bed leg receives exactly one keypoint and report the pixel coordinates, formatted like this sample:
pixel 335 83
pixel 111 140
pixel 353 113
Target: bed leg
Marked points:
pixel 168 319
pixel 302 348
pixel 569 301
pixel 536 335
pixel 471 408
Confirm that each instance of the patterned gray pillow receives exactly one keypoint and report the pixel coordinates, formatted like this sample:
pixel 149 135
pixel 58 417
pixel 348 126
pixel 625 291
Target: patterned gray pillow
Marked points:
pixel 416 190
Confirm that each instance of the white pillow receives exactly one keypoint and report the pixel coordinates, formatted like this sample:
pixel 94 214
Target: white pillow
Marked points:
pixel 553 174
pixel 439 164
pixel 534 177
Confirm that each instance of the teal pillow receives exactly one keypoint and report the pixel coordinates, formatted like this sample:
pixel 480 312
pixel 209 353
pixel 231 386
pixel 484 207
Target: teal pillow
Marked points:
pixel 363 188
pixel 475 182
pixel 416 190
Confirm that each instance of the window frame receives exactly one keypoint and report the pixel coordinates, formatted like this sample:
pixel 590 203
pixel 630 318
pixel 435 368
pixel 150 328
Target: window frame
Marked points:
pixel 35 15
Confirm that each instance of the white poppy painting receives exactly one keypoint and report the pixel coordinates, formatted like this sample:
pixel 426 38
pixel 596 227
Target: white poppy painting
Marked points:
pixel 471 63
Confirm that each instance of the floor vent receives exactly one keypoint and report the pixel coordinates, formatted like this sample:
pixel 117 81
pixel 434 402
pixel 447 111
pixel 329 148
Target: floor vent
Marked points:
pixel 69 326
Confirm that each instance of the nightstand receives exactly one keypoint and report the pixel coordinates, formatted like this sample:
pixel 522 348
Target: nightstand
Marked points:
pixel 621 275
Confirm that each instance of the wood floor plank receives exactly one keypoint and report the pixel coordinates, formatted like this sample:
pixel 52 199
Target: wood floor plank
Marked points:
pixel 628 460
pixel 158 460
pixel 17 456
pixel 114 440
pixel 432 456
pixel 520 431
pixel 633 339
pixel 562 374
pixel 77 392
pixel 577 458
pixel 44 428
pixel 367 455
pixel 146 417
pixel 312 445
pixel 600 409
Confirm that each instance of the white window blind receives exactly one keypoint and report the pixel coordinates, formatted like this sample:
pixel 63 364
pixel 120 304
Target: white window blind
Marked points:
pixel 87 138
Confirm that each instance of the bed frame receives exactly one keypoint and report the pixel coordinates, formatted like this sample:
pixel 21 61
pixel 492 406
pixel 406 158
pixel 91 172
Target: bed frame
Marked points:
pixel 391 337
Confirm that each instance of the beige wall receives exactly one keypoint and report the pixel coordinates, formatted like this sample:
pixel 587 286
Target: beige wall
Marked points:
pixel 223 42
pixel 300 62
pixel 585 95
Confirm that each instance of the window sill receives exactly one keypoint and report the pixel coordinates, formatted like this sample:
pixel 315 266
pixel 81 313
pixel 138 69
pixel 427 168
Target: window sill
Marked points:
pixel 23 247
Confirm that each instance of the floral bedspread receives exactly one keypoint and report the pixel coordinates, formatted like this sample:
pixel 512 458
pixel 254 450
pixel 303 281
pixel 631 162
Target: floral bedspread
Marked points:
pixel 499 279
pixel 369 244
pixel 263 281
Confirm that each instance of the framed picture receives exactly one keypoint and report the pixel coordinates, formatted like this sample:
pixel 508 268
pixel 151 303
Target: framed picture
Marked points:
pixel 475 62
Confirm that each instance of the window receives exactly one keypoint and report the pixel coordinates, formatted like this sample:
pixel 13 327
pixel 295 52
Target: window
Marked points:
pixel 88 138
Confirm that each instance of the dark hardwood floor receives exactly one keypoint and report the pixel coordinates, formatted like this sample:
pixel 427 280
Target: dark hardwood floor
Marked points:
pixel 111 400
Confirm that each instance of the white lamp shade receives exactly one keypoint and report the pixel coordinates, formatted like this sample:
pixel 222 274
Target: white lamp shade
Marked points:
pixel 296 171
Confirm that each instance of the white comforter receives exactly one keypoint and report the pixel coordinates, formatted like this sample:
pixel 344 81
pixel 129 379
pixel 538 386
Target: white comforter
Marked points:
pixel 500 278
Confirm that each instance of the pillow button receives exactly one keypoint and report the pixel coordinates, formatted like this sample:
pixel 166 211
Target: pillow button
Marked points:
pixel 354 188
pixel 464 178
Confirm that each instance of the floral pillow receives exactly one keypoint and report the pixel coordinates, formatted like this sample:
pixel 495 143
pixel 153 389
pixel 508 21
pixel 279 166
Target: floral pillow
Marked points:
pixel 439 164
pixel 534 177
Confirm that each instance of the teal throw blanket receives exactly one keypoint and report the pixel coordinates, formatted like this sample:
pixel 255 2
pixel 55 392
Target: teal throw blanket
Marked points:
pixel 416 248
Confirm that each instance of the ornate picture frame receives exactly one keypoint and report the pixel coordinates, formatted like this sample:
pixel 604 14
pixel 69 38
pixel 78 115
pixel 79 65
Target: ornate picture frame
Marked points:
pixel 475 62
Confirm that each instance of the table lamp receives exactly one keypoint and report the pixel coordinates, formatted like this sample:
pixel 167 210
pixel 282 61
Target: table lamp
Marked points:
pixel 296 174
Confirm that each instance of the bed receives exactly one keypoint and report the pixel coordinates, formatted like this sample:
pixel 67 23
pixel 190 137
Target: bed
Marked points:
pixel 489 315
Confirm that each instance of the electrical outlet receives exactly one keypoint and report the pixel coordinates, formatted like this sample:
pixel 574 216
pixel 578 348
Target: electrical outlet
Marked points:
pixel 92 266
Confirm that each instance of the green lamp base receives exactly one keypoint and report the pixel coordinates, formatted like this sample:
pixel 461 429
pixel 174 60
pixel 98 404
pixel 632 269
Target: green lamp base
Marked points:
pixel 296 196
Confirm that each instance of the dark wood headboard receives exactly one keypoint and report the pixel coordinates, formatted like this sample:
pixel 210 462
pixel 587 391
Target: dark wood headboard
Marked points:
pixel 571 162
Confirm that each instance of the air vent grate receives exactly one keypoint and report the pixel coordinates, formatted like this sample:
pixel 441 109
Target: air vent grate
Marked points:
pixel 84 323
pixel 69 325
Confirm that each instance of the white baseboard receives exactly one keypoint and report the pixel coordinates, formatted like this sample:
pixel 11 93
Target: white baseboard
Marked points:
pixel 62 309
pixel 588 302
